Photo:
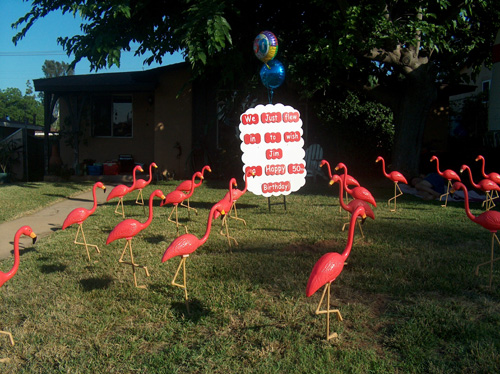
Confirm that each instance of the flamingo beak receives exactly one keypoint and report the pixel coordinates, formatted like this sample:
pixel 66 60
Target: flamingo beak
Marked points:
pixel 33 236
pixel 209 170
pixel 332 182
pixel 223 212
pixel 363 218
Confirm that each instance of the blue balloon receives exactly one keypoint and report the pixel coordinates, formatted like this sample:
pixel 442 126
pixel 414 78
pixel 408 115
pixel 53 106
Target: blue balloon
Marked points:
pixel 272 74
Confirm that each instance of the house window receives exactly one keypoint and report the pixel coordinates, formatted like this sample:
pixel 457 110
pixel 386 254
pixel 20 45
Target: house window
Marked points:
pixel 112 116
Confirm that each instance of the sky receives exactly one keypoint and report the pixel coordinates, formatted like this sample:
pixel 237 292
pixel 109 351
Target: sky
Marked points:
pixel 23 62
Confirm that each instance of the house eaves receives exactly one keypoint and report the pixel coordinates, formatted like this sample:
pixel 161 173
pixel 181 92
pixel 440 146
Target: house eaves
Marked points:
pixel 136 81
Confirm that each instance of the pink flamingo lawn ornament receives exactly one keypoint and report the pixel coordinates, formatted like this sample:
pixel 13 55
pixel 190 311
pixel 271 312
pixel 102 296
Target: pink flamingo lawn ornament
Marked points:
pixel 327 269
pixel 447 174
pixel 350 181
pixel 140 184
pixel 396 177
pixel 353 205
pixel 236 194
pixel 79 215
pixel 486 185
pixel 490 220
pixel 4 277
pixel 495 177
pixel 176 197
pixel 186 188
pixel 224 205
pixel 183 246
pixel 129 228
pixel 356 192
pixel 121 190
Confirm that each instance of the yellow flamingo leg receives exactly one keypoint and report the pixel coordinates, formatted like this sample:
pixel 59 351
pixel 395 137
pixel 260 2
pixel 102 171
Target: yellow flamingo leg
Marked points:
pixel 224 223
pixel 446 194
pixel 184 284
pixel 396 195
pixel 176 219
pixel 236 214
pixel 492 259
pixel 328 311
pixel 120 202
pixel 80 228
pixel 132 263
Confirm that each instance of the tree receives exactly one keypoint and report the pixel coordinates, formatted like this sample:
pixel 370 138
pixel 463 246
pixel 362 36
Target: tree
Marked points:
pixel 397 51
pixel 21 108
pixel 52 69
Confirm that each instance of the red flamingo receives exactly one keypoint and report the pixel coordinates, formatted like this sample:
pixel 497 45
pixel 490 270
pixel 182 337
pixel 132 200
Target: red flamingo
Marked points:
pixel 327 269
pixel 495 177
pixel 140 184
pixel 176 197
pixel 224 205
pixel 4 277
pixel 121 190
pixel 236 194
pixel 490 220
pixel 186 187
pixel 183 246
pixel 447 174
pixel 396 177
pixel 486 185
pixel 356 192
pixel 129 228
pixel 79 215
pixel 353 204
pixel 350 181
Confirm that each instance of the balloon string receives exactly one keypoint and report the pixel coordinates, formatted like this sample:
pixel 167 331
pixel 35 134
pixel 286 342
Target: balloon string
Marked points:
pixel 270 94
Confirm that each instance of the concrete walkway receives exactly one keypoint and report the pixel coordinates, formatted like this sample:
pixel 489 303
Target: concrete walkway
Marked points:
pixel 49 219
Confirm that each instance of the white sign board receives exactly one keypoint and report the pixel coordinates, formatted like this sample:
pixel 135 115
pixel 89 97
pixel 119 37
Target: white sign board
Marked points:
pixel 273 147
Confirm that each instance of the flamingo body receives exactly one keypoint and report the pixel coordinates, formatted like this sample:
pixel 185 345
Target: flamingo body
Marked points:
pixel 185 186
pixel 484 185
pixel 78 215
pixel 121 190
pixel 131 227
pixel 356 192
pixel 394 176
pixel 24 230
pixel 141 183
pixel 448 174
pixel 495 177
pixel 330 265
pixel 490 219
pixel 349 180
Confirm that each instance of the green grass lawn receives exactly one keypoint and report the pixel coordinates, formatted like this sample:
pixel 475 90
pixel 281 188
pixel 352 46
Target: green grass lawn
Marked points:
pixel 409 297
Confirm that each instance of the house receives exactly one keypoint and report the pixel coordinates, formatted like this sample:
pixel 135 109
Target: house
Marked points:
pixel 133 117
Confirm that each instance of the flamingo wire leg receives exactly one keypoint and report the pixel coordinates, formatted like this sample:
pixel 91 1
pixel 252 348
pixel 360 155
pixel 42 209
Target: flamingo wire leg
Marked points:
pixel 132 263
pixel 488 202
pixel 189 208
pixel 328 311
pixel 11 341
pixel 184 284
pixel 359 225
pixel 492 259
pixel 120 202
pixel 446 194
pixel 141 202
pixel 396 195
pixel 236 214
pixel 176 219
pixel 224 223
pixel 80 228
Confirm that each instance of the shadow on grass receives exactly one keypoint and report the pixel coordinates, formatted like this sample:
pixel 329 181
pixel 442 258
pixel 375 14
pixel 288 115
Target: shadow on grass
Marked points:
pixel 90 284
pixel 196 310
pixel 52 268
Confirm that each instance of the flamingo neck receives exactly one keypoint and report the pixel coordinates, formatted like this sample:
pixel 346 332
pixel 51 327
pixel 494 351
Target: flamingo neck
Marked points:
pixel 13 271
pixel 341 199
pixel 437 167
pixel 329 169
pixel 193 186
pixel 150 215
pixel 246 185
pixel 466 202
pixel 150 173
pixel 231 197
pixel 383 168
pixel 470 178
pixel 95 199
pixel 482 168
pixel 350 234
pixel 209 224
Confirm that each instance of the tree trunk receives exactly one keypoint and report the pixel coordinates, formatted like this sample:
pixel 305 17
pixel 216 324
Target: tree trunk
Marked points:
pixel 415 97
